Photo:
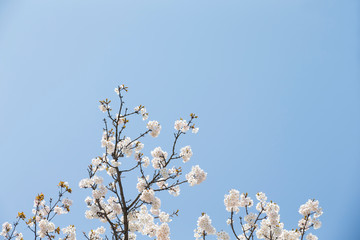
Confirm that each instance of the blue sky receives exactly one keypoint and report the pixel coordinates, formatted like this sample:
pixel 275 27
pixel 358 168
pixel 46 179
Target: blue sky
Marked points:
pixel 275 85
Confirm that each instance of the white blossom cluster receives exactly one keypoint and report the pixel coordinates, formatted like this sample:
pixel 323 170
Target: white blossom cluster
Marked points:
pixel 311 212
pixel 125 146
pixel 175 191
pixel 271 226
pixel 196 176
pixel 155 128
pixel 6 228
pixel 98 207
pixel 159 158
pixel 204 228
pixel 310 236
pixel 232 201
pixel 144 222
pixel 46 227
pixel 70 232
pixel 163 232
pixel 222 235
pixel 18 236
pixel 186 153
pixel 148 196
pixel 103 107
pixel 183 126
pixel 142 183
pixel 95 234
pixel 142 110
pixel 311 206
pixel 119 88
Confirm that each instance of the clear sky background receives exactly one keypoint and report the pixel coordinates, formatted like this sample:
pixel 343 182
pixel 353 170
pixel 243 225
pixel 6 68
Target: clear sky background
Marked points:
pixel 275 84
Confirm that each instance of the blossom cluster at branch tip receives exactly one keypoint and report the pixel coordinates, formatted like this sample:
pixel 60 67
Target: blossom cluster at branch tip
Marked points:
pixel 6 227
pixel 196 176
pixel 159 158
pixel 222 235
pixel 154 127
pixel 70 232
pixel 118 89
pixel 142 111
pixel 204 228
pixel 186 153
pixel 232 201
pixel 104 105
pixel 181 125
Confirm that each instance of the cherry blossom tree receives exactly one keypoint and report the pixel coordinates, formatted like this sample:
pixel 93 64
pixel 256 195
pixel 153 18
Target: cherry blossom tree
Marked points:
pixel 124 215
